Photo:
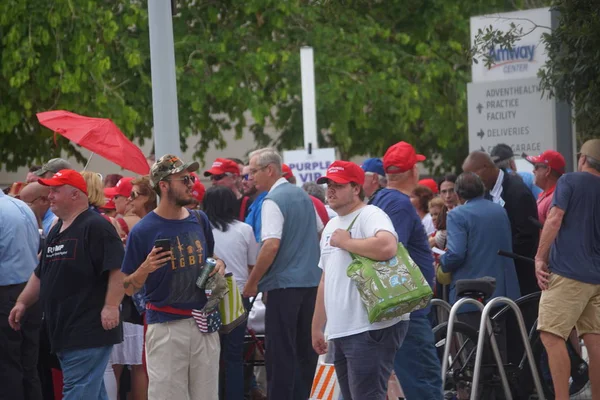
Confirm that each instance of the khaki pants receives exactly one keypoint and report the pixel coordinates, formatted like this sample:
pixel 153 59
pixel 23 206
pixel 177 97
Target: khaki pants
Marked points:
pixel 183 363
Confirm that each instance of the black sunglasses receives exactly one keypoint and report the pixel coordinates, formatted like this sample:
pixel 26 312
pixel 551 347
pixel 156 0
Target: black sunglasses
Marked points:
pixel 219 177
pixel 186 179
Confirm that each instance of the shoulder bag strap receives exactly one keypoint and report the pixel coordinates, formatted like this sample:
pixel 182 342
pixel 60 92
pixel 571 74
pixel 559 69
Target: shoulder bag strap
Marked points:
pixel 123 225
pixel 197 215
pixel 243 208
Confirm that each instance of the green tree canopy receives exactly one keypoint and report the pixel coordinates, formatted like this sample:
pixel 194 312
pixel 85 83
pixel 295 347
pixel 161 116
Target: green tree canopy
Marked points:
pixel 385 71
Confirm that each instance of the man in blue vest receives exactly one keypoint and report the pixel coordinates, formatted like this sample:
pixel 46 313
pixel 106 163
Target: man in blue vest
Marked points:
pixel 287 271
pixel 417 365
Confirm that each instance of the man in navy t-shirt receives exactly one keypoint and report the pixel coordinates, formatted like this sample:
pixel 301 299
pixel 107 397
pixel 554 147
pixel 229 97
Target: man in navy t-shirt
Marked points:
pixel 570 282
pixel 417 357
pixel 182 361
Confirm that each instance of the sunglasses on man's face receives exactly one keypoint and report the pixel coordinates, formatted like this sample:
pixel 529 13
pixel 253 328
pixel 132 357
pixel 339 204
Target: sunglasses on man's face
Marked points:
pixel 186 179
pixel 219 177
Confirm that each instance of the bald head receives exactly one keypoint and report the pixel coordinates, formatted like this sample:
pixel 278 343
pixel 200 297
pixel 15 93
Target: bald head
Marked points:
pixel 33 190
pixel 480 163
pixel 36 196
pixel 478 159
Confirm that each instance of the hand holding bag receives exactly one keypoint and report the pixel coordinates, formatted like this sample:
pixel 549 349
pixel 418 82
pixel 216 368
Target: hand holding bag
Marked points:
pixel 391 288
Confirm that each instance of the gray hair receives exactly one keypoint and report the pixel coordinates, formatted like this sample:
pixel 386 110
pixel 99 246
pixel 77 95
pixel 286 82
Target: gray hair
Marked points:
pixel 593 163
pixel 469 186
pixel 314 190
pixel 267 156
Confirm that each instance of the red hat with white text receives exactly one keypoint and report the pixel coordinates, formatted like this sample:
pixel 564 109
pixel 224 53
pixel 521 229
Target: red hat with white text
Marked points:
pixel 222 166
pixel 122 188
pixel 343 172
pixel 551 158
pixel 66 177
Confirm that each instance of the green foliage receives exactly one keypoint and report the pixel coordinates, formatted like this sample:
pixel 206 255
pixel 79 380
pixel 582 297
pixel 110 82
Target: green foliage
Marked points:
pixel 385 71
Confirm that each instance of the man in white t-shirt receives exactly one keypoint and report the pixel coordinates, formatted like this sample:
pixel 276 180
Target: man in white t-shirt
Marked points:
pixel 363 352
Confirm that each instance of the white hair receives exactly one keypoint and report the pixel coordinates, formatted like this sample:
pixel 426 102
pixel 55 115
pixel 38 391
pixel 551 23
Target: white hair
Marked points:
pixel 267 156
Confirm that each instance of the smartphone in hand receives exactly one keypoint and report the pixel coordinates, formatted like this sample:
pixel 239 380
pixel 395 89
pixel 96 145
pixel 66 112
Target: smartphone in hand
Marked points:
pixel 163 244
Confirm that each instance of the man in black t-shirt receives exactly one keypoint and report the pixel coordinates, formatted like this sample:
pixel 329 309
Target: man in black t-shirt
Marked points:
pixel 80 286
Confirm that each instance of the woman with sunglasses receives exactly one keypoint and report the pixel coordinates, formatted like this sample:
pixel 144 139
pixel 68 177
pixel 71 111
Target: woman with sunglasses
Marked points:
pixel 235 243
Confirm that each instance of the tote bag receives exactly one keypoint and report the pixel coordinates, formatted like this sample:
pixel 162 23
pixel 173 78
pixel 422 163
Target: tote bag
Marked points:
pixel 391 288
pixel 232 310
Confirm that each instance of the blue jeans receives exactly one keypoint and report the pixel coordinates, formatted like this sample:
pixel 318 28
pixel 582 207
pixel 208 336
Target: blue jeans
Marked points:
pixel 232 348
pixel 417 365
pixel 83 373
pixel 364 362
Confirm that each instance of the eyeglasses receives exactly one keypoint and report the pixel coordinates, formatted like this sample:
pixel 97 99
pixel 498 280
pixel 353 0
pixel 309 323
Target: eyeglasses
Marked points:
pixel 219 177
pixel 538 166
pixel 255 171
pixel 245 177
pixel 29 203
pixel 186 179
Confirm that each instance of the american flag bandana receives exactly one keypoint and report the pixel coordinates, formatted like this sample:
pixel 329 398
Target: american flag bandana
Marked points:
pixel 207 321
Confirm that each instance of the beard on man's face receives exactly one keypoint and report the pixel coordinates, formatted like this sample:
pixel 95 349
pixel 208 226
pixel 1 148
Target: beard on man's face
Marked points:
pixel 179 199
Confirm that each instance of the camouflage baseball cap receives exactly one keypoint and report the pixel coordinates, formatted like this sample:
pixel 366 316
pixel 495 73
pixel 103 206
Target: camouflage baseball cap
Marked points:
pixel 169 165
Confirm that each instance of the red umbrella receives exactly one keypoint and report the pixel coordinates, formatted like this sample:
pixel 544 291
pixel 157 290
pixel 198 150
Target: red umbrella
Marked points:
pixel 99 135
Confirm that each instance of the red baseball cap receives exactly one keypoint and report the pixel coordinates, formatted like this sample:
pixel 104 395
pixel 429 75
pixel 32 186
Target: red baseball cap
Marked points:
pixel 109 205
pixel 430 183
pixel 551 158
pixel 222 166
pixel 66 177
pixel 402 156
pixel 343 172
pixel 286 171
pixel 198 189
pixel 123 188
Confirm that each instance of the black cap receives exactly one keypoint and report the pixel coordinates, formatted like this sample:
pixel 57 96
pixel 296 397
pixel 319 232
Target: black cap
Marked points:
pixel 501 152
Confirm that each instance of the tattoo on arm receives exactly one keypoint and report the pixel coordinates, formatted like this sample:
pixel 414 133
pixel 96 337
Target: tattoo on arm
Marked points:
pixel 127 284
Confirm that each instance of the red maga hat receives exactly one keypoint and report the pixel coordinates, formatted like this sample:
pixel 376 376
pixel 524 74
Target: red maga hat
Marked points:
pixel 286 171
pixel 122 188
pixel 430 183
pixel 222 166
pixel 66 177
pixel 402 156
pixel 343 172
pixel 551 158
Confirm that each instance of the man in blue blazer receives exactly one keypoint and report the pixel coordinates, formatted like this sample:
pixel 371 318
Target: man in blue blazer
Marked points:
pixel 476 231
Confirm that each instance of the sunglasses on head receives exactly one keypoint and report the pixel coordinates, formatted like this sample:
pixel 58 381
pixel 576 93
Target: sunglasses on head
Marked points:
pixel 219 177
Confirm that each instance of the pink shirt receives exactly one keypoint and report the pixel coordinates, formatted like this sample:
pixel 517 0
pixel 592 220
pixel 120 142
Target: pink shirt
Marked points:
pixel 543 204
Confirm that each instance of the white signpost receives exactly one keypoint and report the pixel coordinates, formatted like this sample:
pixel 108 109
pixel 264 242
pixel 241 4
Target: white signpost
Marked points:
pixel 309 167
pixel 513 112
pixel 505 103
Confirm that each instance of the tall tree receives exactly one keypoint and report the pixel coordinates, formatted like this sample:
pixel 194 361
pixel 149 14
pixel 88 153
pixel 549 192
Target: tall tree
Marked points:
pixel 385 71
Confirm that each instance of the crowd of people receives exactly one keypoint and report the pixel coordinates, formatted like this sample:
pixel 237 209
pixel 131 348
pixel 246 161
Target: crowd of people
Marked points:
pixel 89 289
